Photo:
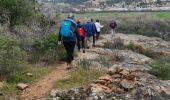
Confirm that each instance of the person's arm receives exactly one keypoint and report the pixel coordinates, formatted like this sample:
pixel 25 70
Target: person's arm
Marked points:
pixel 94 29
pixel 59 35
pixel 101 26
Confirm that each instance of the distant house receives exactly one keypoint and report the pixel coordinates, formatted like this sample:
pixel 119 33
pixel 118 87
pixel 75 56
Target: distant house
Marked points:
pixel 97 2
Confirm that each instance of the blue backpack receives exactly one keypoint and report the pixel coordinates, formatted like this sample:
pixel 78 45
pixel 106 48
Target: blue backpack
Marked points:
pixel 66 29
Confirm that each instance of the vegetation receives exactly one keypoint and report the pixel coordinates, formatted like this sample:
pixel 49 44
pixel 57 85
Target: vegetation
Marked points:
pixel 143 23
pixel 9 88
pixel 82 77
pixel 25 39
pixel 11 57
pixel 18 10
pixel 161 69
pixel 47 50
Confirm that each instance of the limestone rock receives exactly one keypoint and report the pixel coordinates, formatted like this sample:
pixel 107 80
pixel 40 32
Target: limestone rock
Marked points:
pixel 29 74
pixel 22 86
pixel 127 84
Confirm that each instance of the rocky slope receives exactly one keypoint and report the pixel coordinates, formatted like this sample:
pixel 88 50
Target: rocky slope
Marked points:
pixel 128 77
pixel 119 84
pixel 142 43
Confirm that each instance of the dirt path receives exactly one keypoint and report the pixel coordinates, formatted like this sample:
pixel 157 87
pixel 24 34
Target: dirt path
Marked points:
pixel 40 88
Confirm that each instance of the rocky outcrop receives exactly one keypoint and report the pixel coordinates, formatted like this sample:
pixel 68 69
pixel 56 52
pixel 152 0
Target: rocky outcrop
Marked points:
pixel 144 44
pixel 119 83
pixel 125 58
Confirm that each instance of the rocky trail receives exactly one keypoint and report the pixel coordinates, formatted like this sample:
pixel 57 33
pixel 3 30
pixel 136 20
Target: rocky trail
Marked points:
pixel 128 82
pixel 127 78
pixel 40 88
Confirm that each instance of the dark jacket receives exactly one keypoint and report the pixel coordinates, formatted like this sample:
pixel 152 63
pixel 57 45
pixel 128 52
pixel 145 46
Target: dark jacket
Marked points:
pixel 90 29
pixel 113 24
pixel 73 28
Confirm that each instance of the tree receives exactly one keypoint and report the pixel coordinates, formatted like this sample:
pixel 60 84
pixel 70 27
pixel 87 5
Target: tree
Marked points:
pixel 19 10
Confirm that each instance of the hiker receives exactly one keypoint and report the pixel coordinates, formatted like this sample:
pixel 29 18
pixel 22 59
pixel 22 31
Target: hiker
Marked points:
pixel 90 29
pixel 80 33
pixel 67 36
pixel 113 26
pixel 94 35
pixel 98 28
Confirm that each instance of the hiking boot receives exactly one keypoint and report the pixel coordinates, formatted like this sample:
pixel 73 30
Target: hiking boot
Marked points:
pixel 69 66
pixel 83 51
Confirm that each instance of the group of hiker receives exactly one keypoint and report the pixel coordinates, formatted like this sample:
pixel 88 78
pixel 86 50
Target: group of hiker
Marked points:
pixel 74 32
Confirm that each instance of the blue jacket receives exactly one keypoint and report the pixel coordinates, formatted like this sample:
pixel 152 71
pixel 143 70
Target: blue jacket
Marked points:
pixel 90 29
pixel 73 27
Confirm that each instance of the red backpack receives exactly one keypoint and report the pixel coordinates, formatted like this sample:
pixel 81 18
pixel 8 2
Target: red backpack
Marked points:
pixel 81 32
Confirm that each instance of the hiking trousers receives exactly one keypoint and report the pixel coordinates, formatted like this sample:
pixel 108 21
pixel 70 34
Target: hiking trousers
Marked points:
pixel 79 45
pixel 94 40
pixel 97 35
pixel 112 31
pixel 69 47
pixel 89 41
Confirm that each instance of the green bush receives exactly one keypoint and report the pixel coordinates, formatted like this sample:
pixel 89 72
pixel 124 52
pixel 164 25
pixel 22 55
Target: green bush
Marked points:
pixel 11 57
pixel 161 69
pixel 18 10
pixel 47 50
pixel 131 46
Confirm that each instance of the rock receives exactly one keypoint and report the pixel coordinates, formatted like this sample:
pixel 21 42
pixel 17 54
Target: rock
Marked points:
pixel 116 70
pixel 116 76
pixel 126 84
pixel 114 98
pixel 167 91
pixel 56 98
pixel 117 90
pixel 22 86
pixel 112 71
pixel 1 93
pixel 100 81
pixel 29 74
pixel 54 93
pixel 125 72
pixel 1 84
pixel 129 77
pixel 106 78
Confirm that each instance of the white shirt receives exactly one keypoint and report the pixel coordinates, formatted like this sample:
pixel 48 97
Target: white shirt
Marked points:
pixel 98 26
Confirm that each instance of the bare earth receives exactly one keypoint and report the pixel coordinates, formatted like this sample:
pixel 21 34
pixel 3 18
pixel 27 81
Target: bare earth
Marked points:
pixel 40 88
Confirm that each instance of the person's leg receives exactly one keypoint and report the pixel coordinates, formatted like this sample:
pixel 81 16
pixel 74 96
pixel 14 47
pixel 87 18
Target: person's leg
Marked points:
pixel 83 45
pixel 88 42
pixel 71 50
pixel 66 46
pixel 70 54
pixel 94 40
pixel 113 32
pixel 97 35
pixel 78 45
pixel 91 41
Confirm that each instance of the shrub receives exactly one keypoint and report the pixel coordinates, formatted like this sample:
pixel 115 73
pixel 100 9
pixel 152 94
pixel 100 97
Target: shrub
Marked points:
pixel 116 43
pixel 11 57
pixel 130 46
pixel 161 69
pixel 85 64
pixel 46 49
pixel 19 10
